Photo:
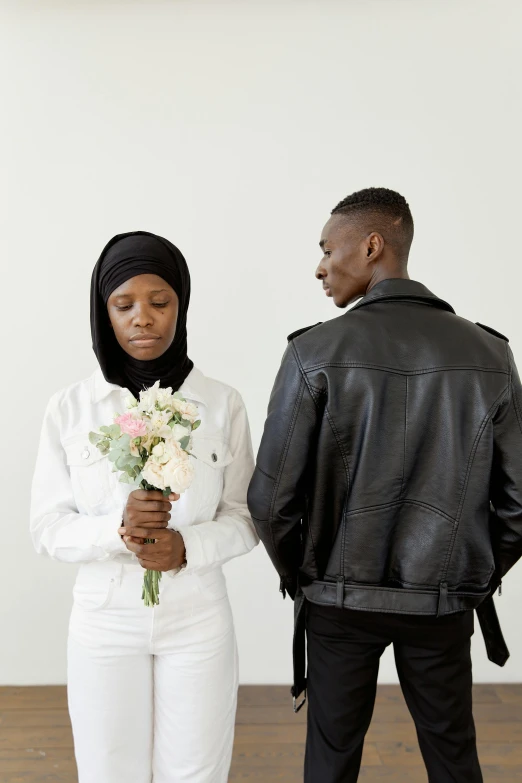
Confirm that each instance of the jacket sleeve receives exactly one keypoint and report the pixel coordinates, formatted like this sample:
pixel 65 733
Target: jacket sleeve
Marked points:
pixel 506 483
pixel 57 528
pixel 277 493
pixel 231 533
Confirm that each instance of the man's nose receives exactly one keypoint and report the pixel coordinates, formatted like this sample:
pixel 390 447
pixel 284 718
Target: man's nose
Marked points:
pixel 320 272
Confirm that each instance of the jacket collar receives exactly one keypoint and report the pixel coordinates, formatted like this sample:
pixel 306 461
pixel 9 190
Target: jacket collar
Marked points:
pixel 193 388
pixel 397 289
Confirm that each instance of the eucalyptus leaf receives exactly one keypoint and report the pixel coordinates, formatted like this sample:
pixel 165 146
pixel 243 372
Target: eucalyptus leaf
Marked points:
pixel 196 424
pixel 95 438
pixel 105 430
pixel 115 431
pixel 178 396
pixel 186 423
pixel 114 455
pixel 184 442
pixel 125 479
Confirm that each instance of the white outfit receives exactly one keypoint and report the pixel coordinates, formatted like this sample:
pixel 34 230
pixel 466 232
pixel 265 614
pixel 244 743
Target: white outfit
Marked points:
pixel 152 691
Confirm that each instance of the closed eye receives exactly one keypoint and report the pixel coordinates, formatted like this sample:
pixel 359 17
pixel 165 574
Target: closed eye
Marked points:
pixel 154 304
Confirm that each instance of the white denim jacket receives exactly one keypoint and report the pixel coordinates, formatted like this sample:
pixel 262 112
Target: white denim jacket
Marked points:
pixel 77 501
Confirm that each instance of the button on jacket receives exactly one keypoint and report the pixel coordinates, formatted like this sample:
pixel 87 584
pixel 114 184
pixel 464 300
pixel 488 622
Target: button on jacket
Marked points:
pixel 389 476
pixel 77 501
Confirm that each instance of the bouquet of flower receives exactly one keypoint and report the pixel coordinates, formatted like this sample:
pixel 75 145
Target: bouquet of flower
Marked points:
pixel 150 445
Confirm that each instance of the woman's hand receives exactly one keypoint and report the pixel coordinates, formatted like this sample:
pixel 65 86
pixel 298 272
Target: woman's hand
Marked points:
pixel 147 515
pixel 167 552
pixel 148 509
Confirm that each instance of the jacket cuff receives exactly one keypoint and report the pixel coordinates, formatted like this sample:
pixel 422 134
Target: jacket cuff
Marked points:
pixel 193 548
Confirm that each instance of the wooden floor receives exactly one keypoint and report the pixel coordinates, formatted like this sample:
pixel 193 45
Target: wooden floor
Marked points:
pixel 36 742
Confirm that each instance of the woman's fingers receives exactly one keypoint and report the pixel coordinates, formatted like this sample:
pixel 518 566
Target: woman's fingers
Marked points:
pixel 145 532
pixel 173 497
pixel 148 495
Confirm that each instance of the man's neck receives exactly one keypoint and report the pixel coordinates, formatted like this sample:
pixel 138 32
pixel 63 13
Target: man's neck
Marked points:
pixel 389 273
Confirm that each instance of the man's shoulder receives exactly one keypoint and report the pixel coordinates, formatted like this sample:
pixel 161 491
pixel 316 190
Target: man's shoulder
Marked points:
pixel 301 331
pixel 492 331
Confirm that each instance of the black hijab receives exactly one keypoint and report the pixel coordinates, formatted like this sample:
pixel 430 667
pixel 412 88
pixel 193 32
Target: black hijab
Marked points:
pixel 125 256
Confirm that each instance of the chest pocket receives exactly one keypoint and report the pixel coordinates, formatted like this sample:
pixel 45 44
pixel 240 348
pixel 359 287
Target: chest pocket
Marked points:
pixel 90 473
pixel 212 456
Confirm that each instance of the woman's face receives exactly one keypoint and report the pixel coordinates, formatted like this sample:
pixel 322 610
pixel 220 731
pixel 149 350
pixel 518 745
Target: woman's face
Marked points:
pixel 143 312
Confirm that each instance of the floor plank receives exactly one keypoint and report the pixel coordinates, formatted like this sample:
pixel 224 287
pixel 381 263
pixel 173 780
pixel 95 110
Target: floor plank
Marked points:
pixel 36 739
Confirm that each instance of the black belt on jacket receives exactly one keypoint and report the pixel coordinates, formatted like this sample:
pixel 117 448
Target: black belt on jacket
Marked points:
pixel 496 647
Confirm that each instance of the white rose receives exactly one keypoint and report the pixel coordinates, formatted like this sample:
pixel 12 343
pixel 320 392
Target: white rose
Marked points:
pixel 130 402
pixel 159 455
pixel 179 432
pixel 174 450
pixel 153 475
pixel 188 410
pixel 178 475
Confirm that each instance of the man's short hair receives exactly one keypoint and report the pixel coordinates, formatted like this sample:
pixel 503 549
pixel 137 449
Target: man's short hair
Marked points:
pixel 384 211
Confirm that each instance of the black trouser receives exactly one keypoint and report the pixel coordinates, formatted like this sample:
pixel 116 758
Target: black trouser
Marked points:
pixel 434 666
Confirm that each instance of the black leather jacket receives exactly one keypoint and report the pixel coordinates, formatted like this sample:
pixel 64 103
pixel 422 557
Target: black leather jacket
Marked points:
pixel 389 476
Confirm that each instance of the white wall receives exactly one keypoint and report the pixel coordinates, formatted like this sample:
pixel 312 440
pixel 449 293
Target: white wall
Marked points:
pixel 233 128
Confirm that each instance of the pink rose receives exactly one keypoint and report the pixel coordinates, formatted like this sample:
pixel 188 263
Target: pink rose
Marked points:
pixel 136 428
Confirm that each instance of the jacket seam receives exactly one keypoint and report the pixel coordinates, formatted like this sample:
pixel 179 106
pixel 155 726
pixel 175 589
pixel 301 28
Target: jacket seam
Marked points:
pixel 403 501
pixel 290 432
pixel 471 459
pixel 396 371
pixel 405 436
pixel 318 391
pixel 518 413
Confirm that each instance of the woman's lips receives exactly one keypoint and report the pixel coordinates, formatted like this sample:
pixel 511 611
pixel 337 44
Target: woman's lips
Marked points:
pixel 145 340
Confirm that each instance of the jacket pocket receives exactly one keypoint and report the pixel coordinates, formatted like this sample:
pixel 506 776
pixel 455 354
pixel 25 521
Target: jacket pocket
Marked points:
pixel 95 585
pixel 89 470
pixel 212 457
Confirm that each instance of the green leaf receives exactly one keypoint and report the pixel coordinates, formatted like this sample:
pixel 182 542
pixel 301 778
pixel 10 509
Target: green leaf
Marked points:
pixel 186 423
pixel 184 442
pixel 167 491
pixel 121 462
pixel 95 438
pixel 125 479
pixel 124 440
pixel 115 431
pixel 114 455
pixel 105 430
pixel 196 424
pixel 178 396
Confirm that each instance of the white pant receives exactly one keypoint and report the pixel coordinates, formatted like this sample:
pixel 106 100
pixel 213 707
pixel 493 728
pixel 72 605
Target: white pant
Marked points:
pixel 152 692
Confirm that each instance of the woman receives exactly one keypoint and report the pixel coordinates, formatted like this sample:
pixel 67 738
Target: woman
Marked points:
pixel 152 691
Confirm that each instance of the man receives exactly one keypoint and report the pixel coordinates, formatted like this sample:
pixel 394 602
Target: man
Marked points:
pixel 388 493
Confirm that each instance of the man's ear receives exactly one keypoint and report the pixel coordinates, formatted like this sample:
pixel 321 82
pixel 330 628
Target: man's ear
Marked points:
pixel 375 245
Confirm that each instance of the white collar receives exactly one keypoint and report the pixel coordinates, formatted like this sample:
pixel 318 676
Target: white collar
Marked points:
pixel 193 387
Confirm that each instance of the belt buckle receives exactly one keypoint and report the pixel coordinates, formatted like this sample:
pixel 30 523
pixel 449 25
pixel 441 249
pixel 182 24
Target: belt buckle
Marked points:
pixel 297 707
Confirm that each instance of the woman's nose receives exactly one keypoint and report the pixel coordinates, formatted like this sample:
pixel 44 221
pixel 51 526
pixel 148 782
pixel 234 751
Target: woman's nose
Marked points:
pixel 142 316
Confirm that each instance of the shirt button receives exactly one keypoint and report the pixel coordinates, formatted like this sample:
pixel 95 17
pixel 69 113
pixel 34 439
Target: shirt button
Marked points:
pixel 86 454
pixel 214 457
